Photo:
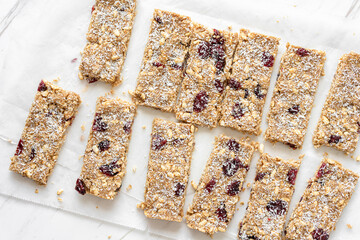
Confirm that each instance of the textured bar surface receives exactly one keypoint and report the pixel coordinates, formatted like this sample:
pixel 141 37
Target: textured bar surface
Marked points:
pixel 51 113
pixel 217 194
pixel 168 170
pixel 269 199
pixel 247 88
pixel 208 66
pixel 107 40
pixel 339 124
pixel 322 203
pixel 105 155
pixel 164 61
pixel 293 96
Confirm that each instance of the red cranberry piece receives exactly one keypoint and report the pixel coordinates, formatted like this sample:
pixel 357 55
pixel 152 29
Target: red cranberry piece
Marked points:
pixel 204 50
pixel 32 154
pixel 220 65
pixel 176 66
pixel 158 64
pixel 217 38
pixel 237 111
pixel 80 186
pixel 302 52
pixel 233 145
pixel 230 167
pixel 293 146
pixel 294 109
pixel 334 139
pixel 319 234
pixel 91 79
pixel 74 60
pixel 210 185
pixel 108 169
pixel 127 127
pixel 267 59
pixel 42 86
pixel 158 20
pixel 222 213
pixel 258 93
pixel 93 8
pixel 179 189
pixel 104 145
pixel 260 176
pixel 277 207
pixel 233 188
pixel 322 170
pixel 19 148
pixel 200 102
pixel 236 85
pixel 219 86
pixel 98 124
pixel 358 124
pixel 291 176
pixel 246 95
pixel 158 142
pixel 218 52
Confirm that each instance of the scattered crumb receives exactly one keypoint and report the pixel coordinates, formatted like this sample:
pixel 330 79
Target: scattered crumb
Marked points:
pixel 36 190
pixel 242 189
pixel 144 127
pixel 109 236
pixel 294 5
pixel 56 79
pixel 82 138
pixel 60 191
pixel 60 199
pixel 349 226
pixel 248 185
pixel 52 182
pixel 325 154
pixel 97 206
pixel 124 93
pixel 358 158
pixel 194 185
pixel 301 156
pixel 237 209
pixel 112 92
pixel 140 205
pixel 230 28
pixel 134 169
pixel 129 187
pixel 83 127
pixel 277 21
pixel 242 203
pixel 261 148
pixel 130 92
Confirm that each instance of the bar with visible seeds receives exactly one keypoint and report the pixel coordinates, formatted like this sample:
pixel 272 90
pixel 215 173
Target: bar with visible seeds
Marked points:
pixel 107 41
pixel 293 96
pixel 339 123
pixel 217 194
pixel 208 66
pixel 270 198
pixel 163 62
pixel 322 203
pixel 249 82
pixel 171 149
pixel 51 113
pixel 105 155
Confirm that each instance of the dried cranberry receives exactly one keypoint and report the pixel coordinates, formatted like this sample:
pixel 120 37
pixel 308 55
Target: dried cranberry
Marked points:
pixel 158 142
pixel 220 65
pixel 158 64
pixel 222 213
pixel 32 154
pixel 231 166
pixel 42 86
pixel 302 52
pixel 322 170
pixel 158 20
pixel 210 185
pixel 291 176
pixel 291 145
pixel 319 234
pixel 80 186
pixel 91 79
pixel 233 188
pixel 277 207
pixel 108 169
pixel 294 109
pixel 217 38
pixel 74 60
pixel 200 101
pixel 219 86
pixel 334 139
pixel 258 93
pixel 93 8
pixel 267 59
pixel 204 50
pixel 217 52
pixel 176 66
pixel 127 127
pixel 19 148
pixel 301 199
pixel 237 111
pixel 236 85
pixel 246 93
pixel 104 145
pixel 98 124
pixel 179 189
pixel 233 145
pixel 260 176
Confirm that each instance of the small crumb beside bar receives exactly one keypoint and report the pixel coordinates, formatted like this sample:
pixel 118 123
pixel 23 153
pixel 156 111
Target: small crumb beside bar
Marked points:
pixel 107 40
pixel 322 203
pixel 217 194
pixel 164 61
pixel 293 96
pixel 269 198
pixel 171 150
pixel 208 66
pixel 106 151
pixel 249 82
pixel 339 123
pixel 51 113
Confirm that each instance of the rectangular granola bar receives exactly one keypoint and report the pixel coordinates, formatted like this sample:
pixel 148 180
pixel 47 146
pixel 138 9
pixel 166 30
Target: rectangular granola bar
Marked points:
pixel 105 155
pixel 163 62
pixel 321 205
pixel 51 113
pixel 107 40
pixel 208 66
pixel 339 124
pixel 269 199
pixel 293 96
pixel 217 194
pixel 249 82
pixel 172 145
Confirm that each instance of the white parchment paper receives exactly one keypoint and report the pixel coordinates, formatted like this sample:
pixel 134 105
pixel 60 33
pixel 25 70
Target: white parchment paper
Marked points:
pixel 45 36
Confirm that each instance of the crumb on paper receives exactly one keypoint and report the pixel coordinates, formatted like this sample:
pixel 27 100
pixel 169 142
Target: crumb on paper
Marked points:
pixel 194 185
pixel 56 79
pixel 60 191
pixel 112 92
pixel 261 148
pixel 248 185
pixel 59 199
pixel 141 205
pixel 144 127
pixel 130 92
pixel 109 236
pixel 83 127
pixel 242 189
pixel 129 187
pixel 295 5
pixel 134 169
pixel 277 21
pixel 349 226
pixel 82 138
pixel 358 158
pixel 230 28
pixel 97 206
pixel 36 190
pixel 124 93
pixel 52 182
pixel 242 203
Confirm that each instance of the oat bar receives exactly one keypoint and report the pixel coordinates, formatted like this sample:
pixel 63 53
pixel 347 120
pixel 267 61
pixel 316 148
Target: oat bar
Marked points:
pixel 208 65
pixel 217 194
pixel 105 155
pixel 269 199
pixel 107 40
pixel 293 96
pixel 51 113
pixel 339 124
pixel 249 82
pixel 163 62
pixel 172 145
pixel 323 201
